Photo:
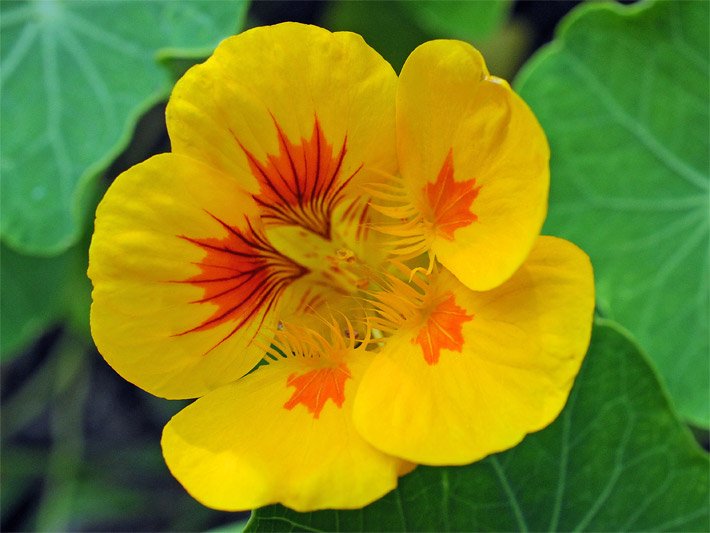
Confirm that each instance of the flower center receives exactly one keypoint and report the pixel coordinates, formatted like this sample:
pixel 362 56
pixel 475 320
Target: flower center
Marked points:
pixel 331 263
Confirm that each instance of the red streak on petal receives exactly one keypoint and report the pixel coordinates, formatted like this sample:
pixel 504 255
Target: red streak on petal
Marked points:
pixel 443 329
pixel 315 387
pixel 242 274
pixel 302 184
pixel 451 200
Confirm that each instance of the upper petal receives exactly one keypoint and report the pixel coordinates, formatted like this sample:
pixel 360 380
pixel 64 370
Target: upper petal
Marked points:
pixel 296 114
pixel 481 369
pixel 473 160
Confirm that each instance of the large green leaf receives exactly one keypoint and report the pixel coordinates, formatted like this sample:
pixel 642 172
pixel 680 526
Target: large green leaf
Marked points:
pixel 617 459
pixel 623 94
pixel 76 75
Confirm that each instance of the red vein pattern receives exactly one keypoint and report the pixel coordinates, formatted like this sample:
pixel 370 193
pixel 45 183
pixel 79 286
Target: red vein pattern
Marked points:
pixel 242 274
pixel 302 184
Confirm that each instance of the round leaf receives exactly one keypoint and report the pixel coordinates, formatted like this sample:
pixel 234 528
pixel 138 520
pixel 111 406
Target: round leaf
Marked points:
pixel 76 75
pixel 623 93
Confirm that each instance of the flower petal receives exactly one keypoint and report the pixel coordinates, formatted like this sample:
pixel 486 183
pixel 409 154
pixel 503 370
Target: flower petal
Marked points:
pixel 294 113
pixel 474 161
pixel 182 279
pixel 282 434
pixel 503 366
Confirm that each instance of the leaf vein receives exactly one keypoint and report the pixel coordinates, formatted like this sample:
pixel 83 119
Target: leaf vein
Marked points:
pixel 669 159
pixel 503 479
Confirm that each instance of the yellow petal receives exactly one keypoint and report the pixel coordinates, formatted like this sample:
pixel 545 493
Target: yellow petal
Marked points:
pixel 282 434
pixel 501 365
pixel 294 113
pixel 474 161
pixel 181 285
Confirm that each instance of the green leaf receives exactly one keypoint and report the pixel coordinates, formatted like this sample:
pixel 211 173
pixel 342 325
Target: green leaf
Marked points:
pixel 622 93
pixel 234 527
pixel 616 459
pixel 38 292
pixel 76 75
pixel 32 296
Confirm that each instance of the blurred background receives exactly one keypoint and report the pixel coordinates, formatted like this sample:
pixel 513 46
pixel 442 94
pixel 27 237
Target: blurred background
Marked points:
pixel 80 446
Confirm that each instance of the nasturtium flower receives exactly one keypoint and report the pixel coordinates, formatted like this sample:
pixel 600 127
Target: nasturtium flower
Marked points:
pixel 344 266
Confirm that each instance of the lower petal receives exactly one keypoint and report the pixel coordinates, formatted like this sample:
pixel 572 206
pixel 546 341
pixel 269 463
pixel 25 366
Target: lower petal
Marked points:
pixel 282 434
pixel 521 346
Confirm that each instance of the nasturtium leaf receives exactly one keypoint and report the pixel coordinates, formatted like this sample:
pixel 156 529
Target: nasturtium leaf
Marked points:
pixel 616 459
pixel 622 93
pixel 76 75
pixel 235 527
pixel 32 296
pixel 38 292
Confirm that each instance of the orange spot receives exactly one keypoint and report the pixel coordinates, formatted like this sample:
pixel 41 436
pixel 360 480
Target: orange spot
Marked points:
pixel 451 200
pixel 302 184
pixel 315 387
pixel 242 274
pixel 443 329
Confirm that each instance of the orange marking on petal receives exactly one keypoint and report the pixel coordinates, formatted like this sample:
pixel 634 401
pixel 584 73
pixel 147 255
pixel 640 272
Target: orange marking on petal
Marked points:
pixel 302 184
pixel 451 200
pixel 317 386
pixel 443 329
pixel 242 274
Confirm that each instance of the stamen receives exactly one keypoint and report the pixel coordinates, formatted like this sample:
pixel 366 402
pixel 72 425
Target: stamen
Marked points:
pixel 397 302
pixel 412 232
pixel 325 361
pixel 420 309
pixel 418 217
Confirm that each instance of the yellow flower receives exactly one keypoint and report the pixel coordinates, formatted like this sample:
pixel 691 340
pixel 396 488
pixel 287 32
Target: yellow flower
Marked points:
pixel 369 243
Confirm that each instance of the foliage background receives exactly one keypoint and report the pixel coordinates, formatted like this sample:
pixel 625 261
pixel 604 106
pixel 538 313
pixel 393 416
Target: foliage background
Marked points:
pixel 623 94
